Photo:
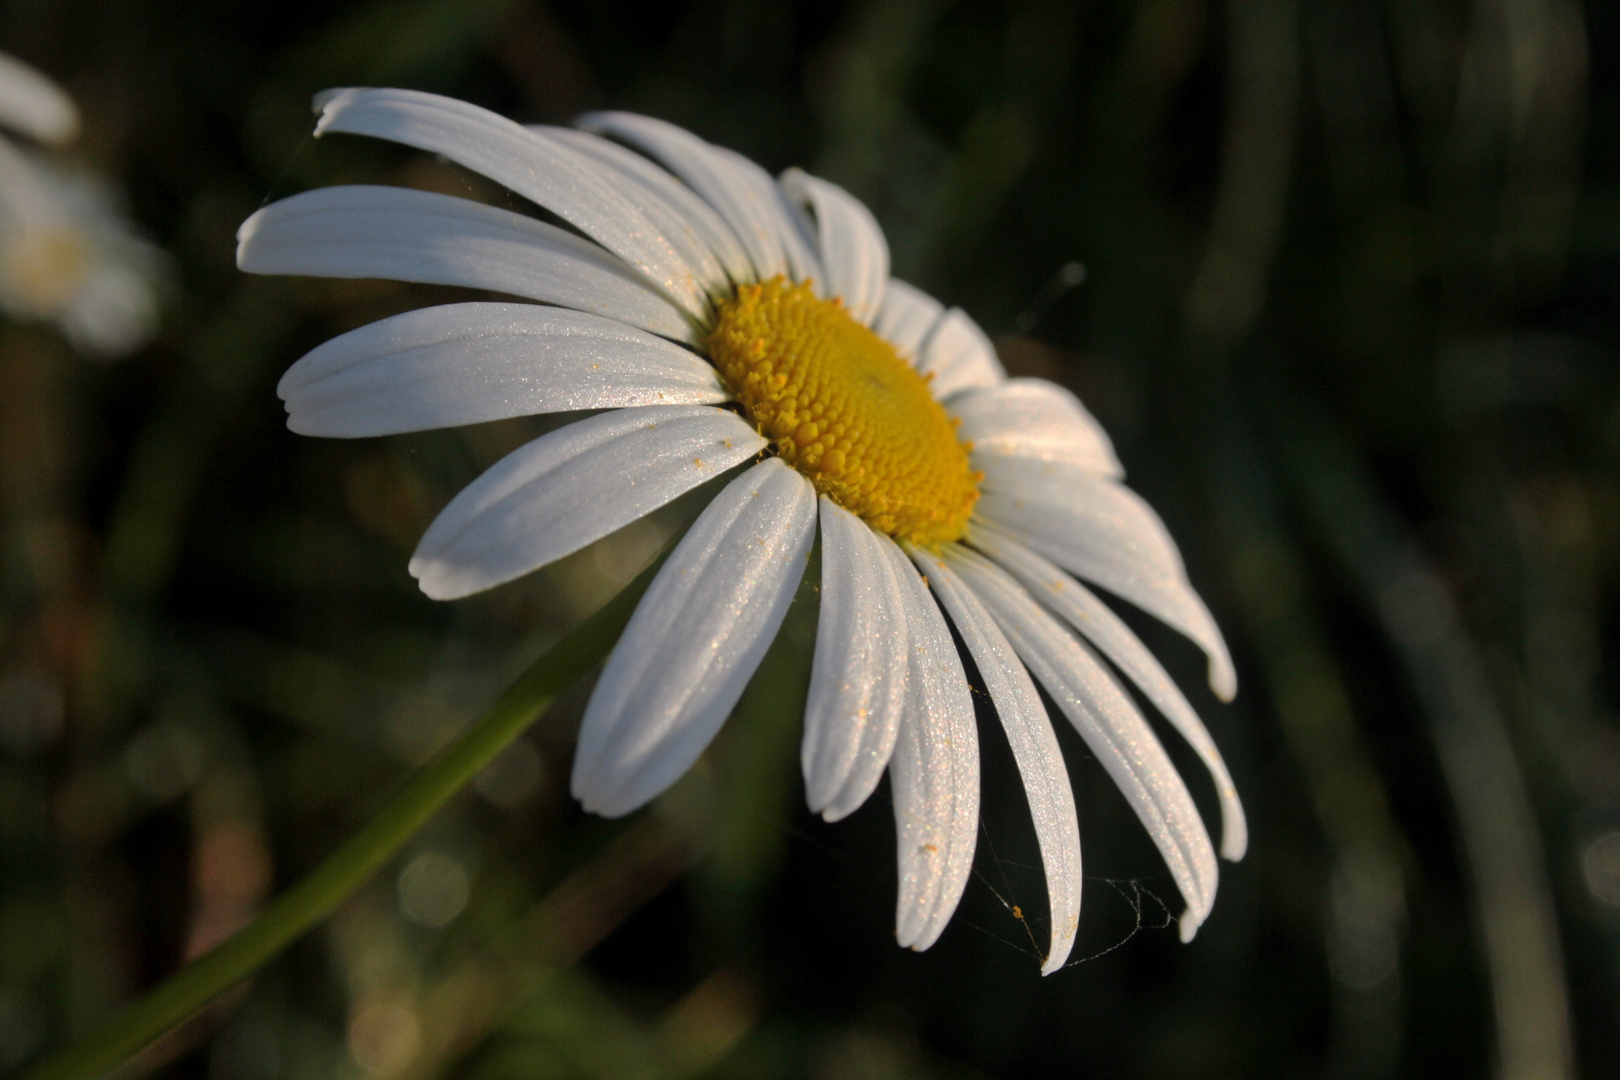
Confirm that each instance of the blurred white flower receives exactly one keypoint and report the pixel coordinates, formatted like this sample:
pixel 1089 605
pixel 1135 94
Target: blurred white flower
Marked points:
pixel 33 105
pixel 726 319
pixel 67 253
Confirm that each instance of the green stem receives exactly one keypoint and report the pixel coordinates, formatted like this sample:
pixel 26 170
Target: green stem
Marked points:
pixel 312 899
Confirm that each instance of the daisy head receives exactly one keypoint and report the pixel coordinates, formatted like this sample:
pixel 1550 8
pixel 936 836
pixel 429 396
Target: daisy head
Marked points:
pixel 722 322
pixel 67 253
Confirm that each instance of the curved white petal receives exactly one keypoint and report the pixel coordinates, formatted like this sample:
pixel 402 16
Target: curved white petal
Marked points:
pixel 742 193
pixel 1115 517
pixel 906 317
pixel 957 356
pixel 360 231
pixel 933 774
pixel 854 253
pixel 1082 609
pixel 1102 532
pixel 540 169
pixel 571 487
pixel 798 245
pixel 1034 746
pixel 34 105
pixel 1032 418
pixel 691 214
pixel 468 363
pixel 682 217
pixel 858 677
pixel 1112 727
pixel 695 640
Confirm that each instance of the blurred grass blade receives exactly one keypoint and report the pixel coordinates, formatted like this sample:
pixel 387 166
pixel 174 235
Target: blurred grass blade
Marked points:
pixel 313 898
pixel 1256 154
pixel 1366 914
pixel 1498 825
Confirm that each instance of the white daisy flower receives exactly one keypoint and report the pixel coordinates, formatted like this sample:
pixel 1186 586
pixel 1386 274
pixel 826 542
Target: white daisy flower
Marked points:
pixel 730 320
pixel 67 255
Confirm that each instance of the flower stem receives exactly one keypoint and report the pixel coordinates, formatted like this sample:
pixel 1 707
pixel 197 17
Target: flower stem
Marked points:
pixel 345 870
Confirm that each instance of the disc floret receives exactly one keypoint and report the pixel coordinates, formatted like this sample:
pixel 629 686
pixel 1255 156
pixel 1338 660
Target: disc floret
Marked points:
pixel 842 407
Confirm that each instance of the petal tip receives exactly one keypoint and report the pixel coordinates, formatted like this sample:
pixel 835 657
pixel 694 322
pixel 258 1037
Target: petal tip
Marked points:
pixel 597 798
pixel 322 102
pixel 929 933
pixel 244 234
pixel 837 810
pixel 1234 840
pixel 299 420
pixel 439 581
pixel 816 800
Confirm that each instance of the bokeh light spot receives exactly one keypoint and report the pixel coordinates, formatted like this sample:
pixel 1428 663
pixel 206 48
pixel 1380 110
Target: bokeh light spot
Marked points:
pixel 383 1037
pixel 433 890
pixel 164 761
pixel 514 777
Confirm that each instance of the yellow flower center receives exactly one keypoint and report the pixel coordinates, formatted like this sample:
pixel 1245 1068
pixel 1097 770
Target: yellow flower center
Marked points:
pixel 844 409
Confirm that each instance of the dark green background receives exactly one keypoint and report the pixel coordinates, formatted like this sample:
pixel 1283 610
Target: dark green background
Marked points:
pixel 1350 316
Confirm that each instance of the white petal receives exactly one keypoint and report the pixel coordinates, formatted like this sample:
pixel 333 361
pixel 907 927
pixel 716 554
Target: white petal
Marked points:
pixel 695 640
pixel 360 231
pixel 30 195
pixel 854 253
pixel 1115 517
pixel 1112 727
pixel 906 317
pixel 1034 746
pixel 741 192
pixel 933 774
pixel 34 105
pixel 798 243
pixel 1104 533
pixel 1097 621
pixel 1035 419
pixel 858 678
pixel 697 215
pixel 538 168
pixel 686 221
pixel 957 356
pixel 468 363
pixel 115 311
pixel 571 487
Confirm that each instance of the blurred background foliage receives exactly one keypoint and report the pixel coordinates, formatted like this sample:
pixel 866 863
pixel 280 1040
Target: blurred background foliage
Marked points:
pixel 1348 310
